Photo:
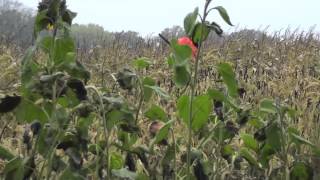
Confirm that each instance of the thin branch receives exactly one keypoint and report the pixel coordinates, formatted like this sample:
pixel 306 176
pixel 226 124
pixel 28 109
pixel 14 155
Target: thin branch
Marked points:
pixel 164 39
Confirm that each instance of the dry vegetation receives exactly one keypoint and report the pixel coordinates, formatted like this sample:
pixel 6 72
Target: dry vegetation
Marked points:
pixel 284 66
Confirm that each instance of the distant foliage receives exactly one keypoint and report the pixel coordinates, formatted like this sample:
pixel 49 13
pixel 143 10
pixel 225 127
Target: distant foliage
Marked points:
pixel 15 22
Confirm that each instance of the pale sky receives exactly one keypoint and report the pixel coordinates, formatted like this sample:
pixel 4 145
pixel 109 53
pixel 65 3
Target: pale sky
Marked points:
pixel 152 16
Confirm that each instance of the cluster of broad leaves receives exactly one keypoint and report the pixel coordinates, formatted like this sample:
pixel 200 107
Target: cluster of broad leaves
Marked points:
pixel 62 112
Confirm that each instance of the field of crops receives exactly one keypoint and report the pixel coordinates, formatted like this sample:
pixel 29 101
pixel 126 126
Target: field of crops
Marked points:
pixel 199 106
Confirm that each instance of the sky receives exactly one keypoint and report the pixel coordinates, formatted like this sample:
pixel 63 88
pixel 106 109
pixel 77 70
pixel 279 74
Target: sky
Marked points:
pixel 152 16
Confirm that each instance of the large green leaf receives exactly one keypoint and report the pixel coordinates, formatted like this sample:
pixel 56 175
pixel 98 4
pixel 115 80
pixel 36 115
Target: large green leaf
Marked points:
pixel 70 99
pixel 68 16
pixel 147 91
pixel 221 133
pixel 181 56
pixel 301 171
pixel 159 91
pixel 45 42
pixel 128 139
pixel 74 68
pixel 142 176
pixel 216 95
pixel 27 111
pixel 163 133
pixel 256 122
pixel 300 140
pixel 224 14
pixel 182 53
pixel 181 76
pixel 156 113
pixel 170 60
pixel 126 78
pixel 227 151
pixel 28 67
pixel 190 20
pixel 62 47
pixel 268 106
pixel 46 138
pixel 14 169
pixel 249 141
pixel 202 107
pixel 124 173
pixel 5 153
pixel 225 70
pixel 41 22
pixel 183 105
pixel 61 117
pixel 274 137
pixel 141 63
pixel 219 96
pixel 200 110
pixel 116 161
pixel 265 154
pixel 114 117
pixel 201 32
pixel 125 118
pixel 249 156
pixel 83 125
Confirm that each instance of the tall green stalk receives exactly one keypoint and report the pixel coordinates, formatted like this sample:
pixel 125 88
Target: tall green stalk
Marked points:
pixel 193 89
pixel 105 130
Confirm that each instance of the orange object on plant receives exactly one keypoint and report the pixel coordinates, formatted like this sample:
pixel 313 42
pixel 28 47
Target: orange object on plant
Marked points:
pixel 187 41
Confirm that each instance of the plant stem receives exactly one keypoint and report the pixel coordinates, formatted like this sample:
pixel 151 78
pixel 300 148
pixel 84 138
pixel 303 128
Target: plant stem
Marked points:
pixel 105 130
pixel 284 141
pixel 175 152
pixel 141 99
pixel 48 155
pixel 193 89
pixel 51 151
